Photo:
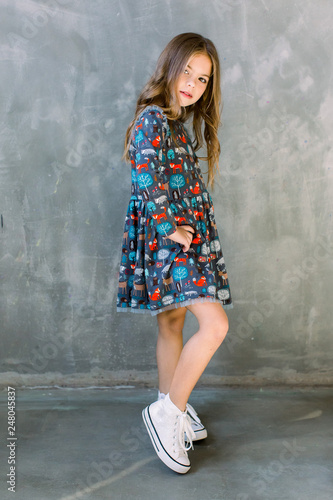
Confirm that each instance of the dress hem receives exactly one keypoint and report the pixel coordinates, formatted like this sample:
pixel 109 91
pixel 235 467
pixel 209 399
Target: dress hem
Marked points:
pixel 174 306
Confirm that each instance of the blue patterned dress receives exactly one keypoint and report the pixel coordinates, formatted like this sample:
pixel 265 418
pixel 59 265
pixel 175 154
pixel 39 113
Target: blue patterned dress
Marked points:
pixel 168 190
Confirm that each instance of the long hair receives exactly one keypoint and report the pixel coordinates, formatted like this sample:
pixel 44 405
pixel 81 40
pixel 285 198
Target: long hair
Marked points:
pixel 160 90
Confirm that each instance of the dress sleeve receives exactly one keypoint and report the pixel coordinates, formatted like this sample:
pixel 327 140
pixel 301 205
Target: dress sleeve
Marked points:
pixel 149 136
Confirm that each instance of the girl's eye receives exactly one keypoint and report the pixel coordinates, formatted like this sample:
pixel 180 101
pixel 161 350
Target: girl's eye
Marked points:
pixel 203 80
pixel 186 71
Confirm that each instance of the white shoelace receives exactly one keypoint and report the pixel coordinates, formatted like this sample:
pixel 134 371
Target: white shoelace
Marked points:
pixel 184 426
pixel 193 414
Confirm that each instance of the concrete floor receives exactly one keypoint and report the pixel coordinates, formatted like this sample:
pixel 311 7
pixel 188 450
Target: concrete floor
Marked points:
pixel 92 444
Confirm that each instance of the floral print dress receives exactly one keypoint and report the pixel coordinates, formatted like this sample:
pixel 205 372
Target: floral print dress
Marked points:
pixel 168 190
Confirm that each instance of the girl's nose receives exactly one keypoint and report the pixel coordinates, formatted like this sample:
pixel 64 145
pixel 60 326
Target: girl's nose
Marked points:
pixel 190 82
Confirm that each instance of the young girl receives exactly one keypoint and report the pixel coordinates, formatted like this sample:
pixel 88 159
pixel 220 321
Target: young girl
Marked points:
pixel 171 253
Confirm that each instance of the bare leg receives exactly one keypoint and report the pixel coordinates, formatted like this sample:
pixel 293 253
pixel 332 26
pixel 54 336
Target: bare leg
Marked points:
pixel 198 350
pixel 169 345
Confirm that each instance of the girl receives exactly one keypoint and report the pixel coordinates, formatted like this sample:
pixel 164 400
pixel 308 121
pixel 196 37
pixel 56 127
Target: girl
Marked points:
pixel 172 259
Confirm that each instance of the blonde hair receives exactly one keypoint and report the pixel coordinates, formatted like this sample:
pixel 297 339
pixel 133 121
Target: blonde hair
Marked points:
pixel 160 90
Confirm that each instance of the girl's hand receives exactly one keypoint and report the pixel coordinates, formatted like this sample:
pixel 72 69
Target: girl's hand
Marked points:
pixel 184 236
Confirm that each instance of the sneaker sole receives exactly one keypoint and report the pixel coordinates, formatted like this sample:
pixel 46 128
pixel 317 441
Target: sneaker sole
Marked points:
pixel 159 448
pixel 200 434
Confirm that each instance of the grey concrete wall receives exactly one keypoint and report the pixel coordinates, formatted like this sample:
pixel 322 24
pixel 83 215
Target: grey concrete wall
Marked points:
pixel 70 72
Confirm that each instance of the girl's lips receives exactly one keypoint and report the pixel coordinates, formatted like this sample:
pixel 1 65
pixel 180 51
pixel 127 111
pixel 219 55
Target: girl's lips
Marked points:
pixel 186 94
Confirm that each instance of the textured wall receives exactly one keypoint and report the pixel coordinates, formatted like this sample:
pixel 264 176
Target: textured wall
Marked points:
pixel 70 74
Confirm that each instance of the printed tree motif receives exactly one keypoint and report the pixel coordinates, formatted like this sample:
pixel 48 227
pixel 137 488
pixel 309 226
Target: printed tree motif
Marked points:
pixel 139 137
pixel 145 180
pixel 204 249
pixel 215 246
pixel 151 206
pixel 167 300
pixel 177 181
pixel 180 273
pixel 132 256
pixel 163 254
pixel 130 281
pixel 211 289
pixel 223 294
pixel 173 208
pixel 202 226
pixel 164 227
pixel 132 232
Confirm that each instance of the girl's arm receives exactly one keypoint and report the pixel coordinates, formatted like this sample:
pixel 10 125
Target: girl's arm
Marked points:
pixel 149 136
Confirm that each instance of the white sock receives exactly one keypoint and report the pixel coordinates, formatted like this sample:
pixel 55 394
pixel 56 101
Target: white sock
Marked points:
pixel 171 407
pixel 160 395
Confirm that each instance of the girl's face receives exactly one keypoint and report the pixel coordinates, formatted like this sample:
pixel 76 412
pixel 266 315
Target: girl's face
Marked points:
pixel 193 82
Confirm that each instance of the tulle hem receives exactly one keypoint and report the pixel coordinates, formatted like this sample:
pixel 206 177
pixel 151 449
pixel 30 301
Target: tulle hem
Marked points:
pixel 175 305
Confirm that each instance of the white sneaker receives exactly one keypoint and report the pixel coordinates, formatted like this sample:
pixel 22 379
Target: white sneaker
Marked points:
pixel 166 426
pixel 200 431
